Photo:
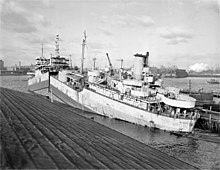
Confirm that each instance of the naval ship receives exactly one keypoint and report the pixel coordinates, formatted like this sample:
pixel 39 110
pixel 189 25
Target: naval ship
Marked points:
pixel 137 98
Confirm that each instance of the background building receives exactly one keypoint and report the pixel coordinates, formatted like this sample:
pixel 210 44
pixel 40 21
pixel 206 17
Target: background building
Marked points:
pixel 2 65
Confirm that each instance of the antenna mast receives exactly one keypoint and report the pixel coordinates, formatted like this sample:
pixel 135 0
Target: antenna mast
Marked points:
pixel 121 60
pixel 94 59
pixel 42 49
pixel 57 53
pixel 83 51
pixel 70 61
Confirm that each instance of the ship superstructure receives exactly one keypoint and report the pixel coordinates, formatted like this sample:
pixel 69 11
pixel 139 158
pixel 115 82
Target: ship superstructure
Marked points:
pixel 54 63
pixel 41 62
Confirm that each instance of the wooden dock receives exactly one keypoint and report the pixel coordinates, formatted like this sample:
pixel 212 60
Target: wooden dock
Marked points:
pixel 209 120
pixel 38 134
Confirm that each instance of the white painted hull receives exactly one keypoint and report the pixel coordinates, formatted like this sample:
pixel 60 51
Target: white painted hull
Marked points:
pixel 104 105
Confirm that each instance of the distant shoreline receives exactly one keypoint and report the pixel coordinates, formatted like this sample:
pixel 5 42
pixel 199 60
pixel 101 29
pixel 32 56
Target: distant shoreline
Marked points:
pixel 13 74
pixel 193 75
pixel 204 75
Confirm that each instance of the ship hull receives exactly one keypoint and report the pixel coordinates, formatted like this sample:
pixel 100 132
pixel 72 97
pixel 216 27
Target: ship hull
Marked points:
pixel 109 106
pixel 114 109
pixel 215 82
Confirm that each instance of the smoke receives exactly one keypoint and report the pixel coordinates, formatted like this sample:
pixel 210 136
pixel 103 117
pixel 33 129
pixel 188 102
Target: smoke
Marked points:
pixel 199 67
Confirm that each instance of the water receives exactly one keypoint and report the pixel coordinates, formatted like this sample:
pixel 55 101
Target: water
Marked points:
pixel 196 83
pixel 202 154
pixel 18 83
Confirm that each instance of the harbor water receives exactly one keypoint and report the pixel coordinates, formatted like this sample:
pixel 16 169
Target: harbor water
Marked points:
pixel 202 154
pixel 197 83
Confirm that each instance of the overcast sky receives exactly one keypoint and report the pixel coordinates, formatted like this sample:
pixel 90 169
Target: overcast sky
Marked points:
pixel 175 32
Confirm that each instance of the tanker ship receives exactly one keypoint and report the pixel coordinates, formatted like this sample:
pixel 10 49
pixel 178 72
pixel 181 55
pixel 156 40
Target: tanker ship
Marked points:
pixel 137 98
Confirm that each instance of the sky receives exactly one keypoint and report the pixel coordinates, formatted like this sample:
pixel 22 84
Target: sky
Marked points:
pixel 183 33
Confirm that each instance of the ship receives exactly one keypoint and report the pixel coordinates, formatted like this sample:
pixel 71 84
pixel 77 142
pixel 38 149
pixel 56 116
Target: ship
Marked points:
pixel 137 98
pixel 181 73
pixel 213 81
pixel 30 73
pixel 178 73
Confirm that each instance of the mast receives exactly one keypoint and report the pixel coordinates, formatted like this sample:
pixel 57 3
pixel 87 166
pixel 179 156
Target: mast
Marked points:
pixel 51 56
pixel 83 51
pixel 70 61
pixel 57 52
pixel 121 60
pixel 94 59
pixel 42 50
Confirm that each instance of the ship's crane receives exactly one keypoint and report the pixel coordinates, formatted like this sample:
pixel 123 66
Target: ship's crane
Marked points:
pixel 110 65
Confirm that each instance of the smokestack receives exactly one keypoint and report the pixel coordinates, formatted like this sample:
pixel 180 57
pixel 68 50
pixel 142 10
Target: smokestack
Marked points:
pixel 141 61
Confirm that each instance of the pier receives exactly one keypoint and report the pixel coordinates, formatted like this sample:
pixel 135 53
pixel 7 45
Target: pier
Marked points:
pixel 38 134
pixel 209 120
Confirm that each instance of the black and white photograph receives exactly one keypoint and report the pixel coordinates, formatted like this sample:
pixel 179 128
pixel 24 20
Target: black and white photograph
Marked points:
pixel 110 84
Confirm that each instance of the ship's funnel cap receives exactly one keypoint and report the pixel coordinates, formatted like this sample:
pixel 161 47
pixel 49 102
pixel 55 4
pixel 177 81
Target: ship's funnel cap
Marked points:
pixel 141 55
pixel 141 61
pixel 145 58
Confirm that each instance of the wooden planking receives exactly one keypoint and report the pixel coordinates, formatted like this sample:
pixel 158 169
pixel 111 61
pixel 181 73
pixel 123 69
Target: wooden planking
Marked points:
pixel 49 136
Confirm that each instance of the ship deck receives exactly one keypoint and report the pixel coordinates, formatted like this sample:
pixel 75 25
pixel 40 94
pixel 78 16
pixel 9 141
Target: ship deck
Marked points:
pixel 38 134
